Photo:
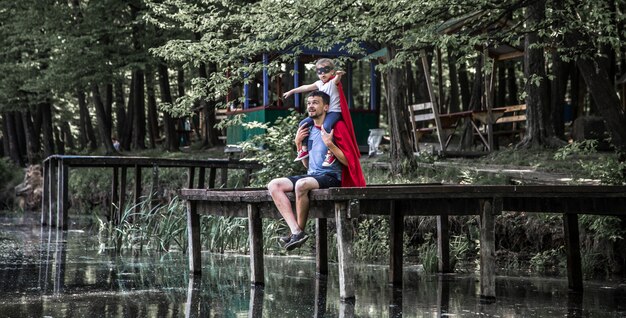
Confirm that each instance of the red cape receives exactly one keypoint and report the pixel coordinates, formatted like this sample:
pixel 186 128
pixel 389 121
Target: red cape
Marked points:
pixel 352 174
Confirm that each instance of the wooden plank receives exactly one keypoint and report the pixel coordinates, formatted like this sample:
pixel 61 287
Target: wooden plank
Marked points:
pixel 255 232
pixel 396 236
pixel 511 119
pixel 345 238
pixel 53 186
pixel 443 244
pixel 421 107
pixel 212 178
pixel 201 177
pixel 256 302
pixel 423 117
pixel 193 238
pixel 572 248
pixel 193 305
pixel 321 244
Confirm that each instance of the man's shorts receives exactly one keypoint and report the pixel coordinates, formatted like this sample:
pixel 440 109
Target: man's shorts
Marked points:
pixel 325 181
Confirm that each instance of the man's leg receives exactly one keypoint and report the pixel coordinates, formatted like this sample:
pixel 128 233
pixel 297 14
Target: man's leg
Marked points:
pixel 278 189
pixel 302 188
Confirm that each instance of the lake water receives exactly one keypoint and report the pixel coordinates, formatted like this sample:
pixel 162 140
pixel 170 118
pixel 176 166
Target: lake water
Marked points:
pixel 63 275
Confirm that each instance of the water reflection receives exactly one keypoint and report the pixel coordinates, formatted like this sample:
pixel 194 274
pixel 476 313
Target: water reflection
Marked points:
pixel 60 274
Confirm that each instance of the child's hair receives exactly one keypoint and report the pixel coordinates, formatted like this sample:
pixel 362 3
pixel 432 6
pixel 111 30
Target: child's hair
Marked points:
pixel 325 97
pixel 327 61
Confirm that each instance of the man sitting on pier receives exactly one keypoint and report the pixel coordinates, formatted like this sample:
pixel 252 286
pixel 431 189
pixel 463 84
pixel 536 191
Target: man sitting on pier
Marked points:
pixel 318 176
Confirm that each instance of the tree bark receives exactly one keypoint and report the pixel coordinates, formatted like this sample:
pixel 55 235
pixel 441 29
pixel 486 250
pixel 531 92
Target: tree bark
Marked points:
pixel 101 117
pixel 171 139
pixel 557 94
pixel 539 129
pixel 47 139
pixel 11 138
pixel 153 115
pixel 139 113
pixel 208 111
pixel 20 133
pixel 513 99
pixel 120 109
pixel 401 149
pixel 32 141
pixel 464 85
pixel 89 135
pixel 126 137
pixel 455 106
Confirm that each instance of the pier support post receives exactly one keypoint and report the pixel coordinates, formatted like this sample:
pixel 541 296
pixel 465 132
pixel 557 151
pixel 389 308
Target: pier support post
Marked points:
pixel 396 235
pixel 255 230
pixel 62 198
pixel 443 244
pixel 572 247
pixel 193 236
pixel 490 208
pixel 345 231
pixel 321 243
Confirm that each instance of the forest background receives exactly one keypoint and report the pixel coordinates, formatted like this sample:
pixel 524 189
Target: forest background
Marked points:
pixel 77 73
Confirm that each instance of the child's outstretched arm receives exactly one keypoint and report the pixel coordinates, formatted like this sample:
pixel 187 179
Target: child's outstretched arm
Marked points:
pixel 301 89
pixel 337 78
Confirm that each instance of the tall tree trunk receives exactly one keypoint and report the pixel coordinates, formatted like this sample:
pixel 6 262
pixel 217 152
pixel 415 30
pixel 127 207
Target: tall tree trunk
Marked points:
pixel 401 148
pixel 139 116
pixel 58 141
pixel 126 137
pixel 501 88
pixel 103 128
pixel 85 120
pixel 512 85
pixel 32 141
pixel 557 94
pixel 208 112
pixel 171 138
pixel 153 115
pixel 539 129
pixel 5 133
pixel 120 109
pixel 20 134
pixel 411 86
pixel 455 105
pixel 464 84
pixel 11 138
pixel 180 82
pixel 47 139
pixel 108 104
pixel 66 131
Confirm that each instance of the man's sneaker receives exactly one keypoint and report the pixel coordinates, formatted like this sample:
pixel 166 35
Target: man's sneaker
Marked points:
pixel 283 240
pixel 301 155
pixel 296 240
pixel 329 160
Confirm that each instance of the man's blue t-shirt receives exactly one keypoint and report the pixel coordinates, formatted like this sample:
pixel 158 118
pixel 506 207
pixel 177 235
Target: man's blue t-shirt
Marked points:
pixel 317 154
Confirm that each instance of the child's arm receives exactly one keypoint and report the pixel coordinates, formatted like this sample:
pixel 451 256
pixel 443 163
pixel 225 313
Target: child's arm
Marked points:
pixel 301 89
pixel 337 78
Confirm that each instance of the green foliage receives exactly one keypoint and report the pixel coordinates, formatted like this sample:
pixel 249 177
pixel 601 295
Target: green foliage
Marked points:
pixel 607 169
pixel 371 243
pixel 274 149
pixel 550 261
pixel 428 253
pixel 158 227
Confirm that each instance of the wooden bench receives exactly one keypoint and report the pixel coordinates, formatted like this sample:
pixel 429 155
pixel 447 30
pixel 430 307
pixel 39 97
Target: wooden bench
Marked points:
pixel 424 120
pixel 511 120
pixel 396 202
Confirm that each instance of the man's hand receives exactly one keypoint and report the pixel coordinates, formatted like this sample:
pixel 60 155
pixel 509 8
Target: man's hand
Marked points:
pixel 302 132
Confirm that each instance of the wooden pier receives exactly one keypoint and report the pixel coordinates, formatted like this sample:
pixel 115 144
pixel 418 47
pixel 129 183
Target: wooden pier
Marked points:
pixel 56 171
pixel 398 201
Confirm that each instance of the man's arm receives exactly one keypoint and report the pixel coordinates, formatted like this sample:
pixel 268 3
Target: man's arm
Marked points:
pixel 328 141
pixel 302 132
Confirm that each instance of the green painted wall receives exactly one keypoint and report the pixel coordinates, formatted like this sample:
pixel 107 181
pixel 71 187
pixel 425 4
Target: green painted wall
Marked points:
pixel 363 122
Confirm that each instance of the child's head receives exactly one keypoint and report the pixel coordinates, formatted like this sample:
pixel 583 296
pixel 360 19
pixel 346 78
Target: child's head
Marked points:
pixel 325 68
